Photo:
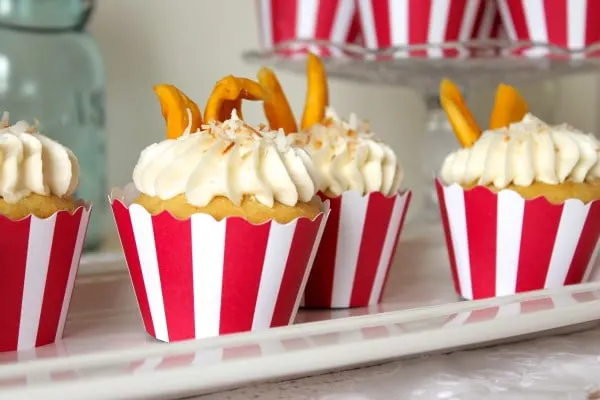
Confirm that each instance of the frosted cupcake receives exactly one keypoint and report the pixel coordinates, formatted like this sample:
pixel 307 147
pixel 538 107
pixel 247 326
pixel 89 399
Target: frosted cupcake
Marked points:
pixel 361 177
pixel 220 223
pixel 39 175
pixel 228 169
pixel 520 206
pixel 42 230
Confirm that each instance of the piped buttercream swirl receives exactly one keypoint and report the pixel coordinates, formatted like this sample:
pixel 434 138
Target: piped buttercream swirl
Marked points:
pixel 230 159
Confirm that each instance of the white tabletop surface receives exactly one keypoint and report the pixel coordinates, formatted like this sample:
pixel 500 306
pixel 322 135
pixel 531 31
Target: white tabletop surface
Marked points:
pixel 557 367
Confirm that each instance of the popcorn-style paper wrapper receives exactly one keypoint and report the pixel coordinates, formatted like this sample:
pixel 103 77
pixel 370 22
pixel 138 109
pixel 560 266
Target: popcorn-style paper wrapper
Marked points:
pixel 391 23
pixel 333 21
pixel 500 244
pixel 39 259
pixel 199 278
pixel 356 251
pixel 569 24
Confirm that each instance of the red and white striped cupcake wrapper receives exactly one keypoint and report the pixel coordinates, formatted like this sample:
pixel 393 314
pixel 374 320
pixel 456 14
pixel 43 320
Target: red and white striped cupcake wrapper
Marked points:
pixel 334 21
pixel 569 24
pixel 357 249
pixel 39 259
pixel 199 278
pixel 403 23
pixel 501 244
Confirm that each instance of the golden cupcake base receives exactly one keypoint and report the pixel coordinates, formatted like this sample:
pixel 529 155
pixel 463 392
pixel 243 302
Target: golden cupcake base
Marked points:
pixel 38 205
pixel 555 194
pixel 221 207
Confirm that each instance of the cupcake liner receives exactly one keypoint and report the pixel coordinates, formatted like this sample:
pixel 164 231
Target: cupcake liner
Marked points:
pixel 391 23
pixel 570 24
pixel 357 249
pixel 501 244
pixel 328 20
pixel 39 259
pixel 198 277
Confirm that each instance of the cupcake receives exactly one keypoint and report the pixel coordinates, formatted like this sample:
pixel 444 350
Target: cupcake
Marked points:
pixel 519 202
pixel 220 225
pixel 42 230
pixel 361 177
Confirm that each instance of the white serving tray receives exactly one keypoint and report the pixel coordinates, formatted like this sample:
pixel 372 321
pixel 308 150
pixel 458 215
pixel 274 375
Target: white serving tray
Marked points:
pixel 106 353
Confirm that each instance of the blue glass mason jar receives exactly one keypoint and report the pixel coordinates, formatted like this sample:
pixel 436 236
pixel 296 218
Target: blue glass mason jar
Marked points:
pixel 52 70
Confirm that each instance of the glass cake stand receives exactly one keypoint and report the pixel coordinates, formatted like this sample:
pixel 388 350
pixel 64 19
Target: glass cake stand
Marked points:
pixel 489 63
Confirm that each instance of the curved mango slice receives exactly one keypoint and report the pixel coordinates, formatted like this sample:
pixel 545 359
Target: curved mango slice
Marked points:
pixel 509 107
pixel 277 108
pixel 228 94
pixel 249 90
pixel 174 105
pixel 463 123
pixel 225 89
pixel 317 95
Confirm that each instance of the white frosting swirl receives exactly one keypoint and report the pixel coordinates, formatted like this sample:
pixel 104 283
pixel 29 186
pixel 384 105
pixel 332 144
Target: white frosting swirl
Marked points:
pixel 229 159
pixel 525 152
pixel 33 163
pixel 349 158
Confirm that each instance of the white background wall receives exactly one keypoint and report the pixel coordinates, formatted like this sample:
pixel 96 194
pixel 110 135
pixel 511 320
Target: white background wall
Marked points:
pixel 193 43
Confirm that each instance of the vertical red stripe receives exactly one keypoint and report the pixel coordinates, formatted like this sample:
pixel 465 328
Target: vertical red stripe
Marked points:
pixel 173 241
pixel 556 22
pixel 497 28
pixel 592 27
pixel 456 13
pixel 382 20
pixel 535 305
pixel 396 240
pixel 319 288
pixel 446 224
pixel 296 265
pixel 478 20
pixel 61 257
pixel 326 14
pixel 245 247
pixel 125 229
pixel 588 239
pixel 540 225
pixel 14 238
pixel 354 31
pixel 283 20
pixel 484 314
pixel 519 21
pixel 247 351
pixel 481 211
pixel 419 13
pixel 377 221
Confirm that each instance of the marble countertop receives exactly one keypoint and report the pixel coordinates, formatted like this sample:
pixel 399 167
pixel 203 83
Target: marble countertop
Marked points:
pixel 557 367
